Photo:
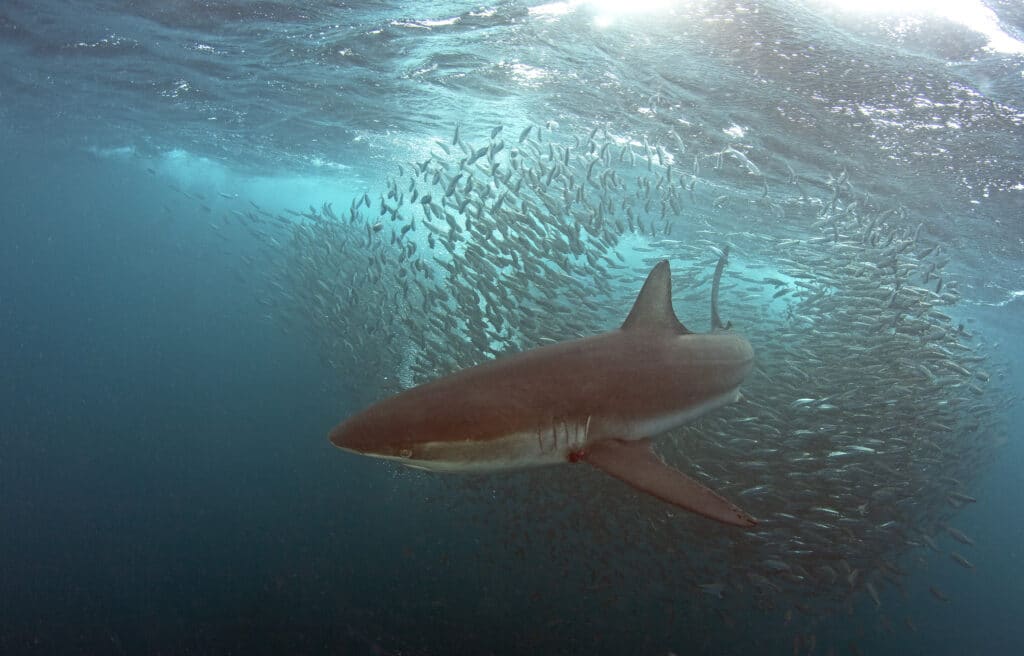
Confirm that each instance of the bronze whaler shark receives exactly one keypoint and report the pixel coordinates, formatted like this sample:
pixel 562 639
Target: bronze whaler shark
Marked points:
pixel 597 400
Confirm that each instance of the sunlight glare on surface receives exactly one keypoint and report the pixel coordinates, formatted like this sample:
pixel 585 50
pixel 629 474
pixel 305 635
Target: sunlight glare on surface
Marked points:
pixel 972 14
pixel 607 11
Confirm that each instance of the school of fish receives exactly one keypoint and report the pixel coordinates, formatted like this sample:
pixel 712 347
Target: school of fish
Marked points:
pixel 872 409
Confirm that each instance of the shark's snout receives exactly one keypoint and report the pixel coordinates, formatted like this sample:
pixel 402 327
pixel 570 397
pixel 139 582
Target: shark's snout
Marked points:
pixel 340 437
pixel 356 436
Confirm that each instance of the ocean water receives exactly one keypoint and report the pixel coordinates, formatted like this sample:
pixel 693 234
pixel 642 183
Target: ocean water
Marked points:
pixel 168 375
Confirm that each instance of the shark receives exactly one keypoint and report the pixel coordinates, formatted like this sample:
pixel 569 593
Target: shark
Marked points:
pixel 597 400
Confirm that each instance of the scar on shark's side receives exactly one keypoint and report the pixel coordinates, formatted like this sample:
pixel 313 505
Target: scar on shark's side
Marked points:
pixel 597 400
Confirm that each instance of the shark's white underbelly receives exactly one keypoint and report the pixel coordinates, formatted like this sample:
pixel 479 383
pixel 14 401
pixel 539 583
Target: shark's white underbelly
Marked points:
pixel 550 442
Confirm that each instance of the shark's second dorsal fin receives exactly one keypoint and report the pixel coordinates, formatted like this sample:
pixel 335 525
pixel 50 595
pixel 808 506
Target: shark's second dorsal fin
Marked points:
pixel 653 307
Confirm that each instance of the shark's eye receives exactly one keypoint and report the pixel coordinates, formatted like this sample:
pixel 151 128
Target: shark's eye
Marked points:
pixel 405 453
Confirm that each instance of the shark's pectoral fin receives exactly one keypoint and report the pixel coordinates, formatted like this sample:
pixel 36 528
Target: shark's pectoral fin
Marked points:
pixel 634 462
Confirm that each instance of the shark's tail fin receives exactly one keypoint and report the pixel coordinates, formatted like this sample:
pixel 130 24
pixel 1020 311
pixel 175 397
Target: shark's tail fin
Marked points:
pixel 716 321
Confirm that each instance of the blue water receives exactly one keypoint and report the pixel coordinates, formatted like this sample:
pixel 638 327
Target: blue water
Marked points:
pixel 166 486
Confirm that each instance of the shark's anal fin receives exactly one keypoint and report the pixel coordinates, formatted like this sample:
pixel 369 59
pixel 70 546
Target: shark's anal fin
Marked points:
pixel 634 462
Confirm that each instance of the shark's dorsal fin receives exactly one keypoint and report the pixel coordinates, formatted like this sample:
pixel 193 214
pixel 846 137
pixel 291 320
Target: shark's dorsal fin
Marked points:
pixel 653 307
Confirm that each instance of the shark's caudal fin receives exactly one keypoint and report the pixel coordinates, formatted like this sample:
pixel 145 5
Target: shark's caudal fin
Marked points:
pixel 634 462
pixel 716 321
pixel 653 307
